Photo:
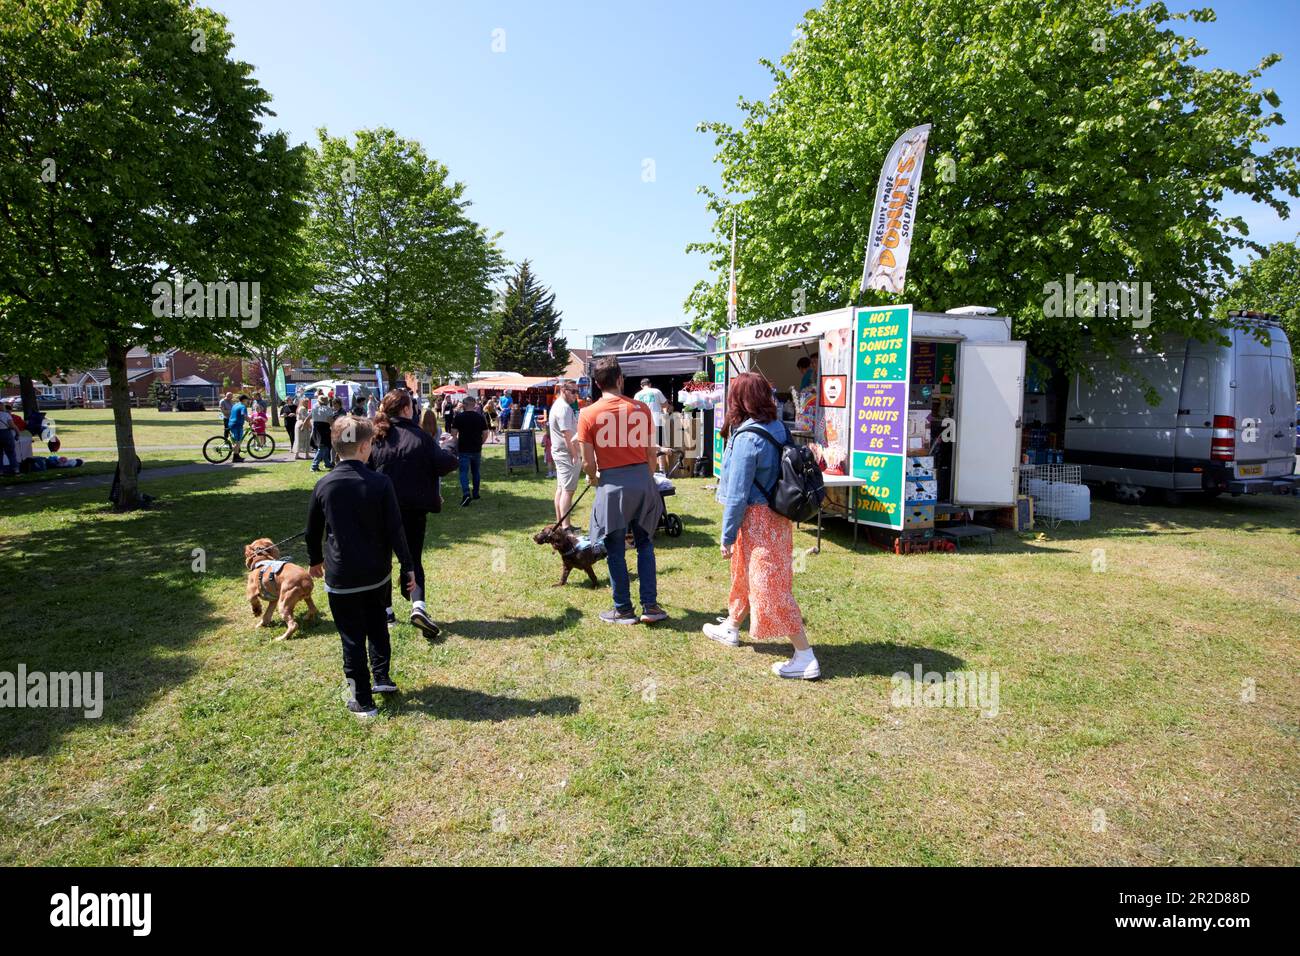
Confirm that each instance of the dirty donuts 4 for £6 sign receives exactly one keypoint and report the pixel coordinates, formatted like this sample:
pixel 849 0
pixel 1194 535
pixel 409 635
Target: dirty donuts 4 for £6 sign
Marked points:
pixel 883 346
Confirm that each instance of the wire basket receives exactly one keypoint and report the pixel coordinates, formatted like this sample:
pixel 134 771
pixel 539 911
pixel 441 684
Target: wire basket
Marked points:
pixel 1058 491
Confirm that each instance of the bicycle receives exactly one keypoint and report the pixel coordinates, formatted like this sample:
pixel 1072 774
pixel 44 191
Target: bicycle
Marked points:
pixel 220 448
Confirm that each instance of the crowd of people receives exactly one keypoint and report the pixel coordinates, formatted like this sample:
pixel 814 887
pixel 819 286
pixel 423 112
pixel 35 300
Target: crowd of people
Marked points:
pixel 386 460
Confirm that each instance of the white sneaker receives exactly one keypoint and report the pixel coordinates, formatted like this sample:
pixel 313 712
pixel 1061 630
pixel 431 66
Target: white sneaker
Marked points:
pixel 723 634
pixel 809 670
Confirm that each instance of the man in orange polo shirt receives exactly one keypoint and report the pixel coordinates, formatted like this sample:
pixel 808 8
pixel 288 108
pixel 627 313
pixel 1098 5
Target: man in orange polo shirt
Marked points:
pixel 616 438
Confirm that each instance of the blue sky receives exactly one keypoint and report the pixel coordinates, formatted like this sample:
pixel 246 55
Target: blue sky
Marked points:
pixel 553 134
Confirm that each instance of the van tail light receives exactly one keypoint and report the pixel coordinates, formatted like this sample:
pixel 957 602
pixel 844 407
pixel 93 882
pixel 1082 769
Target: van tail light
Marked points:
pixel 1223 440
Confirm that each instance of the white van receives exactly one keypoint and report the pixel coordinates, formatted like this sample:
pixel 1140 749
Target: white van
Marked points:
pixel 1225 421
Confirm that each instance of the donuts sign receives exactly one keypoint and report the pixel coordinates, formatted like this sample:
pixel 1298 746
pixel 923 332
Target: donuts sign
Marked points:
pixel 890 243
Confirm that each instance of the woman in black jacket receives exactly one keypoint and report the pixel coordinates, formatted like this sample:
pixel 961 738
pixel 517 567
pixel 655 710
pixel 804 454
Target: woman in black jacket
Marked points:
pixel 414 462
pixel 289 416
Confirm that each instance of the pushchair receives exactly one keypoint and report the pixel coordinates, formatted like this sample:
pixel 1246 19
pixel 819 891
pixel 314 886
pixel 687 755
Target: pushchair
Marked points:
pixel 669 522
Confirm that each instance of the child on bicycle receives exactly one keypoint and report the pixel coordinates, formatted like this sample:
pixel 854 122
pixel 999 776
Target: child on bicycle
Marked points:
pixel 235 424
pixel 257 418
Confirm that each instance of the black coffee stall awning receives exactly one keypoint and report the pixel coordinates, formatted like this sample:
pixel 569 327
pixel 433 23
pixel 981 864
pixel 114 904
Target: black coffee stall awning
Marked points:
pixel 651 353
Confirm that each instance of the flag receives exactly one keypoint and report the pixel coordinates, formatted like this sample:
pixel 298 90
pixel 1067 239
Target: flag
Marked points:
pixel 550 346
pixel 731 292
pixel 476 360
pixel 884 266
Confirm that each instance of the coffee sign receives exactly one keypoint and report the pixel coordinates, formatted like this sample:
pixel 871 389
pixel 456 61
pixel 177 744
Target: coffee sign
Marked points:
pixel 646 342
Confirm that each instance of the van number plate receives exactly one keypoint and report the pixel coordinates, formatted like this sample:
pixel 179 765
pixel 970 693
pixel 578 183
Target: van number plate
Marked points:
pixel 1250 471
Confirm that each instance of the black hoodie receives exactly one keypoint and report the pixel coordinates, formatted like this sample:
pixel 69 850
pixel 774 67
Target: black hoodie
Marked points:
pixel 355 511
pixel 414 461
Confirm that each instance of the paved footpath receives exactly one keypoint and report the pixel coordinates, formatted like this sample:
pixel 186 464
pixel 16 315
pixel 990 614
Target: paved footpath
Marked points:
pixel 30 489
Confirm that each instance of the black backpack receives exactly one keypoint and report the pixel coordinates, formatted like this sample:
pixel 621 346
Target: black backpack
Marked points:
pixel 798 491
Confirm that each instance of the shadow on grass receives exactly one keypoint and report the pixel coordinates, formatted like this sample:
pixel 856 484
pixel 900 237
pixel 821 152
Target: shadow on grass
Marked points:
pixel 88 470
pixel 537 625
pixel 114 594
pixel 859 659
pixel 867 659
pixel 456 703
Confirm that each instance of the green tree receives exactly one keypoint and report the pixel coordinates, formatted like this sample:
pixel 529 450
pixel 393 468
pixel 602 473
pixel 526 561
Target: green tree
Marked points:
pixel 1069 137
pixel 1271 283
pixel 403 277
pixel 132 156
pixel 526 337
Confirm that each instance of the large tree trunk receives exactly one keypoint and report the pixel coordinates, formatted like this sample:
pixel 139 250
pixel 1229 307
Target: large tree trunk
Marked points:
pixel 395 380
pixel 128 487
pixel 31 407
pixel 269 367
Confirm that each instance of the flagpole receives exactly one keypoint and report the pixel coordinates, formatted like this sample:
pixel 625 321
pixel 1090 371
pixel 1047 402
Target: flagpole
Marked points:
pixel 732 298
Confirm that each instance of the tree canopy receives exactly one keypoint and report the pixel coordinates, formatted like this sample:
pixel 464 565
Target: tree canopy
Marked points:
pixel 1271 283
pixel 133 162
pixel 526 328
pixel 403 277
pixel 1070 137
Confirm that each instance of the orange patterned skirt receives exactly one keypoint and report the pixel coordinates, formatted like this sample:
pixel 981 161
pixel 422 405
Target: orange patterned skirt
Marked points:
pixel 762 575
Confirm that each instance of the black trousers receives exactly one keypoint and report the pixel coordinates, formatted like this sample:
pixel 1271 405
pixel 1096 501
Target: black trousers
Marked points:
pixel 413 523
pixel 361 620
pixel 290 426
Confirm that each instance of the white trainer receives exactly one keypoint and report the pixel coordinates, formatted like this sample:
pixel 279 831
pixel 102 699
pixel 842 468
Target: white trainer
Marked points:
pixel 808 670
pixel 723 634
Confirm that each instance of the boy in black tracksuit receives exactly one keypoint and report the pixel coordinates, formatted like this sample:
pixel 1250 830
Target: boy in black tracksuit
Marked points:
pixel 354 510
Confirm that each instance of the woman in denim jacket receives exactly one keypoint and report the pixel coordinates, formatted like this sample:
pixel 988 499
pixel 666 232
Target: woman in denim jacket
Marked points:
pixel 759 542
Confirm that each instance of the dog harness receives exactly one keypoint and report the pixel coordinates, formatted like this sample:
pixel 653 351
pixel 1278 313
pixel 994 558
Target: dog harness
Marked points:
pixel 267 570
pixel 584 544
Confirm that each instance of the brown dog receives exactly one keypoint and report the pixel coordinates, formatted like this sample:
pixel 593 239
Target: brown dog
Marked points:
pixel 565 542
pixel 280 584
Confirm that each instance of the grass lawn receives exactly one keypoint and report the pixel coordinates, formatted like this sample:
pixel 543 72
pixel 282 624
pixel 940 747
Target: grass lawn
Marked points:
pixel 537 735
pixel 162 439
pixel 80 429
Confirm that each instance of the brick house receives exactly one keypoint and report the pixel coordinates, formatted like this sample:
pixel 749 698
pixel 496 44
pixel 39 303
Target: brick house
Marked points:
pixel 144 366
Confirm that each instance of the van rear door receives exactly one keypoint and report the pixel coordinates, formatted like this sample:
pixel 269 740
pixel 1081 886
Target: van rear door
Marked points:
pixel 1263 406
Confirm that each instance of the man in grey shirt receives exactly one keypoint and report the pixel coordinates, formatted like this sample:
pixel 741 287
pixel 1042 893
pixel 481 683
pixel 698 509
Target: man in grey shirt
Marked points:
pixel 226 405
pixel 562 421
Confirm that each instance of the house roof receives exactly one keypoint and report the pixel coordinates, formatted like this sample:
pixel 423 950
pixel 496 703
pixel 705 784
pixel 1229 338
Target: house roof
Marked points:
pixel 141 351
pixel 100 375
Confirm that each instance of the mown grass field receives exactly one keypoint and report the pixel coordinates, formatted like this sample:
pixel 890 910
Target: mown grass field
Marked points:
pixel 162 439
pixel 538 735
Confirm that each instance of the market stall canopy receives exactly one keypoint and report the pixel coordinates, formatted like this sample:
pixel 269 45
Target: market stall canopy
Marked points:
pixel 668 351
pixel 330 384
pixel 449 390
pixel 513 383
pixel 192 380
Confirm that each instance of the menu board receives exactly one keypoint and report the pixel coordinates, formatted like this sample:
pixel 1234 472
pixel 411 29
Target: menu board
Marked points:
pixel 924 363
pixel 521 450
pixel 946 373
pixel 882 348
